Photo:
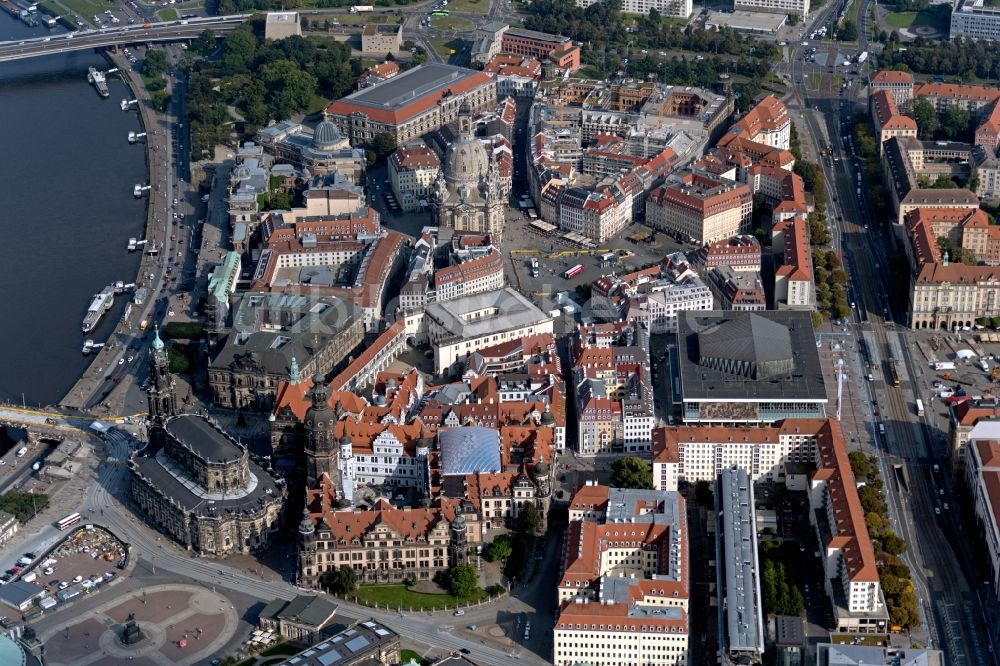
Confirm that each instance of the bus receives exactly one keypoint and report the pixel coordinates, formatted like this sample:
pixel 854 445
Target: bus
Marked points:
pixel 69 521
pixel 571 273
pixel 440 12
pixel 894 373
pixel 920 407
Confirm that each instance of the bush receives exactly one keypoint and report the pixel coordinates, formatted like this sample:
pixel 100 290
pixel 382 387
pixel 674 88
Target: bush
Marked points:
pixel 631 472
pixel 499 550
pixel 23 505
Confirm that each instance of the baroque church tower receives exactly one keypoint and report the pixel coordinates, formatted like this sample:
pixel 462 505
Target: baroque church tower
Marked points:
pixel 161 394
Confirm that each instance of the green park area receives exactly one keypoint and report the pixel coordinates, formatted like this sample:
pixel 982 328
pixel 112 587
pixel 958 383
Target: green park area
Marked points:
pixel 469 6
pixel 169 14
pixel 400 596
pixel 447 46
pixel 937 17
pixel 456 23
pixel 85 8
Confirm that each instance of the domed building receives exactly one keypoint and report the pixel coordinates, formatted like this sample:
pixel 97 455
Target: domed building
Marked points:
pixel 467 195
pixel 320 152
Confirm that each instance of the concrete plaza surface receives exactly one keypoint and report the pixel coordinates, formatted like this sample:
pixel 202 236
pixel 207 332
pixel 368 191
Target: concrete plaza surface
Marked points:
pixel 167 615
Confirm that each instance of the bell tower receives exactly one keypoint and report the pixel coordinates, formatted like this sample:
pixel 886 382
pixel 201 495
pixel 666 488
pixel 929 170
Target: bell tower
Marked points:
pixel 320 449
pixel 161 395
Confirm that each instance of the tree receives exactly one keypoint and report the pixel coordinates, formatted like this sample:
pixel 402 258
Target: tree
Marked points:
pixel 343 580
pixel 893 544
pixel 239 49
pixel 463 580
pixel 631 472
pixel 528 519
pixel 955 123
pixel 383 143
pixel 871 500
pixel 849 33
pixel 926 117
pixel 499 550
pixel 703 493
pixel 859 464
pixel 204 43
pixel 155 63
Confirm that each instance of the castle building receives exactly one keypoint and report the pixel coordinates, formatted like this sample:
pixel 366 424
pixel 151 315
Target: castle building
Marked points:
pixel 467 196
pixel 196 483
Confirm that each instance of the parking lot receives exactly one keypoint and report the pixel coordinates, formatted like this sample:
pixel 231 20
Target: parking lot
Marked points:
pixel 88 559
pixel 555 255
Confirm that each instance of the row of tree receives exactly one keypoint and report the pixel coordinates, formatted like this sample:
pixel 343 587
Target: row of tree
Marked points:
pixel 965 58
pixel 894 575
pixel 780 595
pixel 952 124
pixel 602 26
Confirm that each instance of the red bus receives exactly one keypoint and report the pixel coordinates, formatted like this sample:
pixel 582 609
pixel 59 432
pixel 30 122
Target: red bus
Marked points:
pixel 69 521
pixel 571 273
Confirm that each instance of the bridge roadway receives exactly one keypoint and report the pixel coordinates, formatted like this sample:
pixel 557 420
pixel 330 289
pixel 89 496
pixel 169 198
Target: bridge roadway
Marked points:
pixel 119 36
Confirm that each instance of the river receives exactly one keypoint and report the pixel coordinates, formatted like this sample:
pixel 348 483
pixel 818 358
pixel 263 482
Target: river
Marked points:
pixel 66 178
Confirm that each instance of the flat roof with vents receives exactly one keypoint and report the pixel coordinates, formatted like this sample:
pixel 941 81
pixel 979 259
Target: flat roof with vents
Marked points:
pixel 351 646
pixel 741 614
pixel 749 357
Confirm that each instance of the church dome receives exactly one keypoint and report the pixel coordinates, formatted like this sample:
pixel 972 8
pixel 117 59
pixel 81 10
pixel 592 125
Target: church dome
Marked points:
pixel 326 136
pixel 466 159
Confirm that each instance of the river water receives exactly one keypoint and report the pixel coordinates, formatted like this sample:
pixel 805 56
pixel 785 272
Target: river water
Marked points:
pixel 66 214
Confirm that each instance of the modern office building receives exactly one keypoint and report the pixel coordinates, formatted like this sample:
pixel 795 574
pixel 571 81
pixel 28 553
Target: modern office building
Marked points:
pixel 975 19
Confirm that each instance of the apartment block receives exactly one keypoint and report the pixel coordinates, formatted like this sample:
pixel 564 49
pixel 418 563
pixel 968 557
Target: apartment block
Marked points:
pixel 412 172
pixel 614 394
pixel 898 84
pixel 623 586
pixel 982 476
pixel 793 279
pixel 768 121
pixel 779 454
pixel 700 208
pixel 887 119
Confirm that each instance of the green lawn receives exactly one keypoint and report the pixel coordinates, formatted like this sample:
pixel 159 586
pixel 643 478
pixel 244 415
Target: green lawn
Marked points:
pixel 814 81
pixel 398 596
pixel 87 8
pixel 456 23
pixel 405 656
pixel 168 14
pixel 937 17
pixel 445 45
pixel 469 6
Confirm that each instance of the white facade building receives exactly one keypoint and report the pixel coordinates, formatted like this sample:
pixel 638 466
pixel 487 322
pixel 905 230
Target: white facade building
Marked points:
pixel 799 7
pixel 671 8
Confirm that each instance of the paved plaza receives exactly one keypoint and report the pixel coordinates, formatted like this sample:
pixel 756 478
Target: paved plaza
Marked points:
pixel 182 624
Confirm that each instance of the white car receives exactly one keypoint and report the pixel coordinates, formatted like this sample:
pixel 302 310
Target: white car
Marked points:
pixel 946 393
pixel 78 579
pixel 121 361
pixel 130 358
pixel 459 613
